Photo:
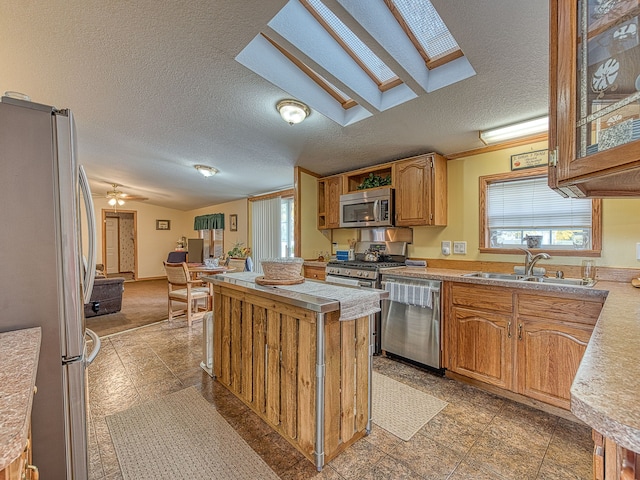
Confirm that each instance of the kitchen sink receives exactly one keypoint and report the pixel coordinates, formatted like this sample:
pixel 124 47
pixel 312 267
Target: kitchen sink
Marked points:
pixel 573 282
pixel 496 276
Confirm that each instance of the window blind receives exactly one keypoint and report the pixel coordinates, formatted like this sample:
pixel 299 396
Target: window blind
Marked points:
pixel 265 228
pixel 530 203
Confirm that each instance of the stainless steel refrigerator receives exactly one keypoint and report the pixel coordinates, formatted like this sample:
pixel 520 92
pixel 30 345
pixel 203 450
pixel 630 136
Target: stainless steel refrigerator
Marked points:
pixel 44 281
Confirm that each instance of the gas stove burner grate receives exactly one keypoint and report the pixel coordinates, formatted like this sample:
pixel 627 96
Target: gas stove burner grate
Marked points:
pixel 365 265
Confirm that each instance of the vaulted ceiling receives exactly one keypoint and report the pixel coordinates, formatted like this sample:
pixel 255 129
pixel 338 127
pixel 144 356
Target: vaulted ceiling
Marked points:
pixel 156 89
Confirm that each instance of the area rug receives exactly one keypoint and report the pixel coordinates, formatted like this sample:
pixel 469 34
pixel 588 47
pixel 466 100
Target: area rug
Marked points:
pixel 182 436
pixel 401 409
pixel 143 302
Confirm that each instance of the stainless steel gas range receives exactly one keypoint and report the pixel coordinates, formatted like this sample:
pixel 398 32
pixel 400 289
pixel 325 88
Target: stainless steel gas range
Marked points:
pixel 363 273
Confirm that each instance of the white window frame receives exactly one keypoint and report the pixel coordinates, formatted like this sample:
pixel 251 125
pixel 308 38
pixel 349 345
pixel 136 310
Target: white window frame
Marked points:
pixel 485 240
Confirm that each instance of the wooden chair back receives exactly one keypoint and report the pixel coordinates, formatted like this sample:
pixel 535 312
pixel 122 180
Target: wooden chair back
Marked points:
pixel 177 273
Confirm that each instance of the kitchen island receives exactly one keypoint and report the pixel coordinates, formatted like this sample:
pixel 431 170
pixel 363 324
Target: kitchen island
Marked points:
pixel 298 355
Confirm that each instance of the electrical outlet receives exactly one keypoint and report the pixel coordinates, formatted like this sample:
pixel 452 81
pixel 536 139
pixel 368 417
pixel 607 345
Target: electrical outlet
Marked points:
pixel 460 248
pixel 446 247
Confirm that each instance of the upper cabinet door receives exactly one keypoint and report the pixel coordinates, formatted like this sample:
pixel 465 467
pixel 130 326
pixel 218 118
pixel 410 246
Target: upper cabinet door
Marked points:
pixel 594 97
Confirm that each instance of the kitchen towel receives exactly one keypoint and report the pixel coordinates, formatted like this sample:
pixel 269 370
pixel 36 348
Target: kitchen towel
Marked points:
pixel 418 295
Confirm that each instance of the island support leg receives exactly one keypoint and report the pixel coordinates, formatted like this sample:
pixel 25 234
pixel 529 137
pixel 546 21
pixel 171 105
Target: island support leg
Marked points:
pixel 320 374
pixel 372 347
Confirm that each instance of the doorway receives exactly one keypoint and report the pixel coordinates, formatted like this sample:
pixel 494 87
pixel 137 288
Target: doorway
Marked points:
pixel 119 243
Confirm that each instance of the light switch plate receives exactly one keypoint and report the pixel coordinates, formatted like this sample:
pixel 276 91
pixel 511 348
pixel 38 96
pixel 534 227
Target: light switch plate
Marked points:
pixel 637 251
pixel 446 247
pixel 460 248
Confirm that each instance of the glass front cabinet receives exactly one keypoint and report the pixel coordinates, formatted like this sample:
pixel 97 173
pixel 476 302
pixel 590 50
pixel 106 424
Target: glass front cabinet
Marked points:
pixel 594 127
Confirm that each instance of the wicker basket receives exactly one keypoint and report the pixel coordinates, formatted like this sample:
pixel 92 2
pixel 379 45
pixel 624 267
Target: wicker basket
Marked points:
pixel 289 268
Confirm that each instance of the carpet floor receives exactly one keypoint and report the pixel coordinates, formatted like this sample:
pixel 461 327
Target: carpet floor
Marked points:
pixel 401 409
pixel 182 436
pixel 143 302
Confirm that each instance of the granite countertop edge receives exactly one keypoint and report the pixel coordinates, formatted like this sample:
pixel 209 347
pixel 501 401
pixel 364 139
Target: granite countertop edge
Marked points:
pixel 604 393
pixel 19 353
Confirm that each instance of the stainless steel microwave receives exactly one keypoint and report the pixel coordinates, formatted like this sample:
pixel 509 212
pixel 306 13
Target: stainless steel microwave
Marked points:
pixel 369 208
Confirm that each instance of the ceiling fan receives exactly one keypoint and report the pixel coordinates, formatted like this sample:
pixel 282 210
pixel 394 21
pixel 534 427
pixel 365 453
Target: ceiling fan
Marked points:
pixel 118 198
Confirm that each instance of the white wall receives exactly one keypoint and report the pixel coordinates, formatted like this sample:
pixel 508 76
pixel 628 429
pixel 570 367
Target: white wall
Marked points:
pixel 153 245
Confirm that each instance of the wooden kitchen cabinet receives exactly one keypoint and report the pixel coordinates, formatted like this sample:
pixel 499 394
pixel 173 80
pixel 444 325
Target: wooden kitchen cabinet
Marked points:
pixel 314 272
pixel 480 325
pixel 329 191
pixel 549 354
pixel 613 462
pixel 21 468
pixel 420 191
pixel 482 348
pixel 524 342
pixel 594 128
pixel 419 183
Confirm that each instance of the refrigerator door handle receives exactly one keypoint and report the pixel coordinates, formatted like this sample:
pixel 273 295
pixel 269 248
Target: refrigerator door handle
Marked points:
pixel 97 343
pixel 90 272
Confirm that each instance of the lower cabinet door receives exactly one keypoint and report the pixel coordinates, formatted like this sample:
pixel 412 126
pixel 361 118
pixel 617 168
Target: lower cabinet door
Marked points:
pixel 482 346
pixel 548 358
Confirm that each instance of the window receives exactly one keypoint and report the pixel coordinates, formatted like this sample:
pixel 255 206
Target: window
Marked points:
pixel 213 242
pixel 286 227
pixel 272 226
pixel 516 205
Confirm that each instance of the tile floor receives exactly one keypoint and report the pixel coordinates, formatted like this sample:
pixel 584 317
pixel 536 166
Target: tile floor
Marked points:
pixel 477 436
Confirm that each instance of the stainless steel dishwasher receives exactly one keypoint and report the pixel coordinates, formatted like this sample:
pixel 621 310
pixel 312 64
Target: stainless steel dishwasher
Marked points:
pixel 411 319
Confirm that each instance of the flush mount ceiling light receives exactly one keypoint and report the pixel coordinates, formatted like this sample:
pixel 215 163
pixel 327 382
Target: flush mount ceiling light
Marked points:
pixel 292 111
pixel 517 130
pixel 206 171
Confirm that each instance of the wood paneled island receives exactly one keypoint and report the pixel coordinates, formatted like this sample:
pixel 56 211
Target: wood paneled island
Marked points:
pixel 292 355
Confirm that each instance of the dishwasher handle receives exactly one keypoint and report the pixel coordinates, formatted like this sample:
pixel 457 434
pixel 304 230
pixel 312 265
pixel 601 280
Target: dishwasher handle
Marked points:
pixel 435 298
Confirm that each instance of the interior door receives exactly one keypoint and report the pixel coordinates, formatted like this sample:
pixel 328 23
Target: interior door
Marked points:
pixel 111 226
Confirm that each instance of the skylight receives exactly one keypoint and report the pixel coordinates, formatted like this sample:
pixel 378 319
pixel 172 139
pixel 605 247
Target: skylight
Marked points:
pixel 426 29
pixel 368 60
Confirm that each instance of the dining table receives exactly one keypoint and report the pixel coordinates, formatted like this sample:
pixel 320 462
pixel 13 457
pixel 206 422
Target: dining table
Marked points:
pixel 197 269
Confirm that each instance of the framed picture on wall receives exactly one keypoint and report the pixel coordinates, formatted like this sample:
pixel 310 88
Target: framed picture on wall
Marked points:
pixel 163 224
pixel 233 222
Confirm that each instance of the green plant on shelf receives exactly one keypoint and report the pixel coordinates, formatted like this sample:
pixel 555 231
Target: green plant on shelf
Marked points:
pixel 373 181
pixel 239 250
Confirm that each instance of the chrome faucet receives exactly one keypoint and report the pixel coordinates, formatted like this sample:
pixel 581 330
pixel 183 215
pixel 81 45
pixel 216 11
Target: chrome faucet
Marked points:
pixel 530 260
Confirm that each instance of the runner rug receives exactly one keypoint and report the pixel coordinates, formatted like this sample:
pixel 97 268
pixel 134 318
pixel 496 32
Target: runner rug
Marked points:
pixel 182 436
pixel 401 409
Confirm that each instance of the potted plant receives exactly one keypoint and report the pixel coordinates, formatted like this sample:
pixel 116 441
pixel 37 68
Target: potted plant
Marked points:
pixel 239 251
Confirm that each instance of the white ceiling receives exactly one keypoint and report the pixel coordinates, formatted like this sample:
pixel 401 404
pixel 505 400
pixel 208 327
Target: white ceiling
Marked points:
pixel 155 89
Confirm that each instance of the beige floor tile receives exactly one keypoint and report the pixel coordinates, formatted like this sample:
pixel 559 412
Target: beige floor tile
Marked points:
pixel 382 439
pixel 357 461
pixel 427 457
pixel 390 468
pixel 456 428
pixel 494 454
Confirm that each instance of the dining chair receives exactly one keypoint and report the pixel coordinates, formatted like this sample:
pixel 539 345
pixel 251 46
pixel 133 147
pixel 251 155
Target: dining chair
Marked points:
pixel 182 289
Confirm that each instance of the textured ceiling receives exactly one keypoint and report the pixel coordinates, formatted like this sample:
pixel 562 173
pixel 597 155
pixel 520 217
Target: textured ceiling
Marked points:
pixel 155 89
